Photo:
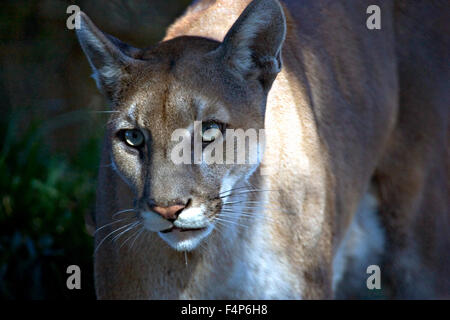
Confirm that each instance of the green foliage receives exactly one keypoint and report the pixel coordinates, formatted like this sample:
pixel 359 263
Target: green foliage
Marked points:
pixel 44 196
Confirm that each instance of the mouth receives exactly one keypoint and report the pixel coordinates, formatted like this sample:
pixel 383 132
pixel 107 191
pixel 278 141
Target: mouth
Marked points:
pixel 185 233
pixel 177 229
pixel 185 239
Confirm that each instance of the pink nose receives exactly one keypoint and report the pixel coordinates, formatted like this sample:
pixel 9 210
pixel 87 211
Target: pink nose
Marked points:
pixel 169 213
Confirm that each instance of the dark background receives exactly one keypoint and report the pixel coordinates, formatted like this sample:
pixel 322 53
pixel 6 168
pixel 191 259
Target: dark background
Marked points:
pixel 50 135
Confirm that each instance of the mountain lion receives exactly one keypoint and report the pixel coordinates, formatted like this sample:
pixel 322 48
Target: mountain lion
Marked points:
pixel 355 165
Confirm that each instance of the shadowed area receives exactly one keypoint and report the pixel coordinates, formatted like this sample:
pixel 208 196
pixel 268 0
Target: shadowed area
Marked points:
pixel 51 124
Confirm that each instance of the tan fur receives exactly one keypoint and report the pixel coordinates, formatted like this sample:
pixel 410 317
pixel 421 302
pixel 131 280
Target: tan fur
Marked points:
pixel 350 106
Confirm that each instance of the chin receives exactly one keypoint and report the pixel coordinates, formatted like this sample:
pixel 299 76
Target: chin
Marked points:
pixel 186 240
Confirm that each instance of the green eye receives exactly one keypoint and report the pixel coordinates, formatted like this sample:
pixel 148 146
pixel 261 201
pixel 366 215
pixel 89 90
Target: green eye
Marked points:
pixel 211 131
pixel 134 138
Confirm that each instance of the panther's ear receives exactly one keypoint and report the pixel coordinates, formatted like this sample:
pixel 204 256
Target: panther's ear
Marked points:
pixel 252 47
pixel 110 58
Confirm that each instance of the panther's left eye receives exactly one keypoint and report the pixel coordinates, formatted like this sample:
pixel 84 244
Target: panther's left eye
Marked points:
pixel 211 131
pixel 134 138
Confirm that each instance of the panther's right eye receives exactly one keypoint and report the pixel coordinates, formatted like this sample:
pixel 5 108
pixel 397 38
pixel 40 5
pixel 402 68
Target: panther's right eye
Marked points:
pixel 133 137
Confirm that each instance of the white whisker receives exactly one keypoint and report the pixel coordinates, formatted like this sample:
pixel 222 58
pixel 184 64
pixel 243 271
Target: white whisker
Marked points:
pixel 232 190
pixel 126 230
pixel 122 211
pixel 108 224
pixel 137 236
pixel 244 192
pixel 230 221
pixel 109 234
pixel 131 236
